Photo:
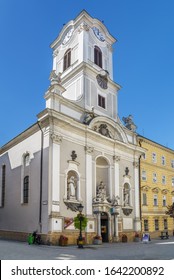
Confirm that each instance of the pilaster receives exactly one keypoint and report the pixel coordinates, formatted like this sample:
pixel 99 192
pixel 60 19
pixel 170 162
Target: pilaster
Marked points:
pixel 88 156
pixel 137 222
pixel 55 174
pixel 116 160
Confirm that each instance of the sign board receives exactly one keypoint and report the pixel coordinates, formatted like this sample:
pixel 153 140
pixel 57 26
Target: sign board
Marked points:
pixel 146 237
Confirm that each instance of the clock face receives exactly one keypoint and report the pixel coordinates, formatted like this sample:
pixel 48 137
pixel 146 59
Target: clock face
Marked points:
pixel 67 36
pixel 102 81
pixel 98 34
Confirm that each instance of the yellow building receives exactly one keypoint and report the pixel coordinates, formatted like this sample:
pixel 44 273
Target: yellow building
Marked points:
pixel 157 187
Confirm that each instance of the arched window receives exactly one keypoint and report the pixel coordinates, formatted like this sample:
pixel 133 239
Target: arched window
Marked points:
pixel 67 59
pixel 26 160
pixel 26 189
pixel 98 56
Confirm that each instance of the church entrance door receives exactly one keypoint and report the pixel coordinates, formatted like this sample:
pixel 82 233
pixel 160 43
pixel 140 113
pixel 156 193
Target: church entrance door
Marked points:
pixel 104 227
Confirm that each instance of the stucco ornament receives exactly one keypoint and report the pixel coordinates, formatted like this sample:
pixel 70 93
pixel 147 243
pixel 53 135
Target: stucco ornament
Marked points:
pixel 115 200
pixel 103 129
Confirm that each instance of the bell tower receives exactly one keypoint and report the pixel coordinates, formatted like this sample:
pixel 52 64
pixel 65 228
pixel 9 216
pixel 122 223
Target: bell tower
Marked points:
pixel 82 64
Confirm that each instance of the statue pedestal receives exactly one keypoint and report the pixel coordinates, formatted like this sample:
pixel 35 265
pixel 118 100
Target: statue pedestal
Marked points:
pixel 97 242
pixel 115 239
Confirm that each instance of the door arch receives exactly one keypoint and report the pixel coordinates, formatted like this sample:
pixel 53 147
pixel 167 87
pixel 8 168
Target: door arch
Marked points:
pixel 104 227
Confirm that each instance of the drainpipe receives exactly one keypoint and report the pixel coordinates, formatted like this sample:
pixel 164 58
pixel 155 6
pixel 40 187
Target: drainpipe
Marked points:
pixel 41 172
pixel 140 191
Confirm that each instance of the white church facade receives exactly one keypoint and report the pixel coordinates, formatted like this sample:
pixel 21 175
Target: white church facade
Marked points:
pixel 78 152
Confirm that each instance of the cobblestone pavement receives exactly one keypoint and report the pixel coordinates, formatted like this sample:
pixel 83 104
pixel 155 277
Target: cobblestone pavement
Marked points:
pixel 154 250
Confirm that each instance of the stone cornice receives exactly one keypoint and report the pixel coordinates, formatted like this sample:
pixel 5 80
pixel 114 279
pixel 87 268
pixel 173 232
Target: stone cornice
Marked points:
pixel 166 168
pixel 155 144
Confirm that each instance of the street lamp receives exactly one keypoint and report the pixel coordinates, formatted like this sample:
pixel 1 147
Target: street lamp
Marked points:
pixel 80 239
pixel 170 212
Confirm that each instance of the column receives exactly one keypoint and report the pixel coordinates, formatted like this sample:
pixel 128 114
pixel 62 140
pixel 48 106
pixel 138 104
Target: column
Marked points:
pixel 110 181
pixel 116 175
pixel 137 198
pixel 89 151
pixel 99 224
pixel 109 226
pixel 116 238
pixel 55 174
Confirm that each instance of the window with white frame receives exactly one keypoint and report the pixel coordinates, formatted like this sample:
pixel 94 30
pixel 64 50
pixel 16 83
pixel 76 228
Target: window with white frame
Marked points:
pixel 3 184
pixel 146 225
pixel 144 156
pixel 26 189
pixel 172 163
pixel 26 160
pixel 98 56
pixel 101 101
pixel 172 181
pixel 154 178
pixel 25 170
pixel 143 175
pixel 155 200
pixel 156 224
pixel 163 160
pixel 154 158
pixel 165 224
pixel 67 59
pixel 164 200
pixel 144 199
pixel 163 179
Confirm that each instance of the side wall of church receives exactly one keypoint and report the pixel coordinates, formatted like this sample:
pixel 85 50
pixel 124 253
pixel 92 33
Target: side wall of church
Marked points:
pixel 16 214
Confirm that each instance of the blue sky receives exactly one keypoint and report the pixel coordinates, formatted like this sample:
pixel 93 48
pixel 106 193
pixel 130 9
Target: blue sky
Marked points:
pixel 143 60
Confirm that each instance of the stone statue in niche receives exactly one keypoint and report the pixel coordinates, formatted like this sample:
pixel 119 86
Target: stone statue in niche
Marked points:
pixel 101 189
pixel 101 193
pixel 126 196
pixel 71 191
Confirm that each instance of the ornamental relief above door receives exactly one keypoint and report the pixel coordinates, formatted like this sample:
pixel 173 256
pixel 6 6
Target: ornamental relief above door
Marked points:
pixel 107 130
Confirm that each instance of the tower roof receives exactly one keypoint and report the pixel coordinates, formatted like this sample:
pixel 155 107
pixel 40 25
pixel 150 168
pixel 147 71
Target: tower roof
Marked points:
pixel 84 17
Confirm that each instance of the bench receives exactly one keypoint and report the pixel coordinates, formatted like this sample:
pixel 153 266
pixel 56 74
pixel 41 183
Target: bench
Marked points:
pixel 164 235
